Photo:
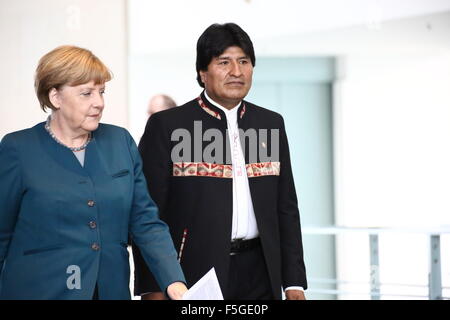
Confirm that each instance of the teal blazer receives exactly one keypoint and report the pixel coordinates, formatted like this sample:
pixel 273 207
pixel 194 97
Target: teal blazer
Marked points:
pixel 64 228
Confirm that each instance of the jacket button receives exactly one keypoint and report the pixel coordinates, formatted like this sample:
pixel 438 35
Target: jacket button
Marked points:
pixel 92 224
pixel 91 203
pixel 95 246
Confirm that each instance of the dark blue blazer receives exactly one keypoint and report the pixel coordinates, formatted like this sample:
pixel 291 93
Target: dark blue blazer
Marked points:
pixel 64 228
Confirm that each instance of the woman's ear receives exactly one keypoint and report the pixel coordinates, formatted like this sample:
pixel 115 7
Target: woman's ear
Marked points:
pixel 54 98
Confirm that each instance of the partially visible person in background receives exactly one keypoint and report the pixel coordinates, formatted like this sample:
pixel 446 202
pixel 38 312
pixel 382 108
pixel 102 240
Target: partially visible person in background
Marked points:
pixel 160 102
pixel 71 191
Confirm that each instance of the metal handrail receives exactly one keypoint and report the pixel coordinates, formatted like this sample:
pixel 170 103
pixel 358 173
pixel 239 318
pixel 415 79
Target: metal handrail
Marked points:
pixel 330 230
pixel 336 281
pixel 343 292
pixel 435 275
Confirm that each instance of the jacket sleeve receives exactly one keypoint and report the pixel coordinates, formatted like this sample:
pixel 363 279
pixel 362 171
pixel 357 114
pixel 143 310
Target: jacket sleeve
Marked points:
pixel 154 148
pixel 11 191
pixel 293 266
pixel 155 151
pixel 149 233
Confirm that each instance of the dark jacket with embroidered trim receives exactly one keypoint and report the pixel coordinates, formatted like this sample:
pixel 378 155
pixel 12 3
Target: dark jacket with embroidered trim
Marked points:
pixel 203 204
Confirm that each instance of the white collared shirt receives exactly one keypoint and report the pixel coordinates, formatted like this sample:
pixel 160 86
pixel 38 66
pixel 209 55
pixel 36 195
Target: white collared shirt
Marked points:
pixel 244 221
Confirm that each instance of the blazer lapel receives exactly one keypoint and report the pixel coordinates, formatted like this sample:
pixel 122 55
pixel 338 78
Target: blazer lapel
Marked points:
pixel 93 162
pixel 61 155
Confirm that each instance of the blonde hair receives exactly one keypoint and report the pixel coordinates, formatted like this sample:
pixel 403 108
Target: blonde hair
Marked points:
pixel 67 65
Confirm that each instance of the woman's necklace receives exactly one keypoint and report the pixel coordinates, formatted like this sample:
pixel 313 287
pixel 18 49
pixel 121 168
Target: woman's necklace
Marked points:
pixel 47 127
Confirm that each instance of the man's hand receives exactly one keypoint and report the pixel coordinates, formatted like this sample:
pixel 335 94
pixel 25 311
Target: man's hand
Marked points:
pixel 295 295
pixel 176 290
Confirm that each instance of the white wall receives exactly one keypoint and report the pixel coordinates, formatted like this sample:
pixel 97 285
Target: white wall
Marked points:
pixel 391 131
pixel 163 36
pixel 394 126
pixel 29 29
pixel 392 158
pixel 175 25
pixel 391 135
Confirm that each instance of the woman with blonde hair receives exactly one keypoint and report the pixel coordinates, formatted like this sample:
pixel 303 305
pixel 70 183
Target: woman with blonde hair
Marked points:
pixel 72 190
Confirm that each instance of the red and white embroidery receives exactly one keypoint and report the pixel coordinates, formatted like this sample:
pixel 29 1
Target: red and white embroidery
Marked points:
pixel 204 169
pixel 263 169
pixel 214 113
pixel 208 110
pixel 242 111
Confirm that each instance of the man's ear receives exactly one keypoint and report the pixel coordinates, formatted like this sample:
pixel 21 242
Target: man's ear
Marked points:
pixel 203 76
pixel 53 96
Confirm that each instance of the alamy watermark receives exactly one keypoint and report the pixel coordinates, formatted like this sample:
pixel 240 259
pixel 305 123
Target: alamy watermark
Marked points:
pixel 214 151
pixel 74 280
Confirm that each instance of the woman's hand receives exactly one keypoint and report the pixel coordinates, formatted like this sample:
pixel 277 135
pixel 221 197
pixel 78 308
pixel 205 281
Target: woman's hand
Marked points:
pixel 176 290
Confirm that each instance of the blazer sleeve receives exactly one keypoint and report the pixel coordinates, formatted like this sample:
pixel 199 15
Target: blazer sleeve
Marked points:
pixel 155 151
pixel 149 233
pixel 11 191
pixel 293 266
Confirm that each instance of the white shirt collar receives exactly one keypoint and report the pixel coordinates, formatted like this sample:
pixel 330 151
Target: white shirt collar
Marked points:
pixel 228 113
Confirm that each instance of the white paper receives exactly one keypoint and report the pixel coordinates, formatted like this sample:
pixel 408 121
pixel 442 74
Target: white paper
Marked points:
pixel 207 288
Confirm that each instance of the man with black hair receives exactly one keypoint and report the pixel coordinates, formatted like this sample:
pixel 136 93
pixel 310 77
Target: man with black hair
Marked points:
pixel 229 204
